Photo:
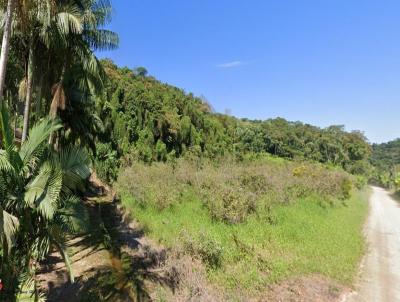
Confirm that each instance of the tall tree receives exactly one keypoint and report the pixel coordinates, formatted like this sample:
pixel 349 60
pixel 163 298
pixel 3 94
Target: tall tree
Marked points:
pixel 5 46
pixel 65 33
pixel 34 19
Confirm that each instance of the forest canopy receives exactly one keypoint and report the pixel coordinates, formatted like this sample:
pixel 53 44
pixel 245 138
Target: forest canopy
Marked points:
pixel 154 121
pixel 65 115
pixel 386 160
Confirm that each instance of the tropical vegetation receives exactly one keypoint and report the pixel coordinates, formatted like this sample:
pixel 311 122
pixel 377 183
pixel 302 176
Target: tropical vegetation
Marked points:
pixel 247 199
pixel 48 73
pixel 147 120
pixel 386 160
pixel 39 208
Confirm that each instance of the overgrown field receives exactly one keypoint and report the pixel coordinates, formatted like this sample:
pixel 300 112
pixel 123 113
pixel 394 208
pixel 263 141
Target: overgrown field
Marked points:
pixel 251 223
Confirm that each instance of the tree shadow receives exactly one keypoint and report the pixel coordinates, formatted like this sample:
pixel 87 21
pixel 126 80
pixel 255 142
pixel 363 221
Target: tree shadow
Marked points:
pixel 130 278
pixel 396 196
pixel 133 270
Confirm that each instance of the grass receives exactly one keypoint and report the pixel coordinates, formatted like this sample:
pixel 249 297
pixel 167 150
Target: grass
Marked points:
pixel 304 237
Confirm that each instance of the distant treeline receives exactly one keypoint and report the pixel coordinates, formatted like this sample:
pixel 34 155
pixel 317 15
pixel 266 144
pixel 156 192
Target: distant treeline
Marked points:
pixel 386 158
pixel 152 121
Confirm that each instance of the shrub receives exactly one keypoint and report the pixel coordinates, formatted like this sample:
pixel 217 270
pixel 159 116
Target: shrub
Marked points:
pixel 347 186
pixel 106 162
pixel 231 190
pixel 230 205
pixel 207 249
pixel 151 185
pixel 361 182
pixel 300 170
pixel 161 151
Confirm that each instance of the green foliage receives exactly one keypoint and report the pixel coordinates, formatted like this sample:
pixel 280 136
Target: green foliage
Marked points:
pixel 250 222
pixel 386 155
pixel 204 247
pixel 140 71
pixel 53 46
pixel 38 208
pixel 144 145
pixel 161 151
pixel 232 191
pixel 386 160
pixel 119 113
pixel 361 182
pixel 106 162
pixel 396 181
pixel 159 119
pixel 347 187
pixel 304 238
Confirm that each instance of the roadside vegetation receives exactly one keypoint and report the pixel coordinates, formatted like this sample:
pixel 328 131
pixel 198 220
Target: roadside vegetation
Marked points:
pixel 251 223
pixel 239 204
pixel 386 161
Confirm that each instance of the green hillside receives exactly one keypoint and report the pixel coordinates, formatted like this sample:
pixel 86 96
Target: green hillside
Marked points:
pixel 115 186
pixel 385 158
pixel 151 121
pixel 386 155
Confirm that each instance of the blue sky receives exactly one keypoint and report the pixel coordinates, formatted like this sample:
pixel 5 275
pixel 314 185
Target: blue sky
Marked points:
pixel 321 62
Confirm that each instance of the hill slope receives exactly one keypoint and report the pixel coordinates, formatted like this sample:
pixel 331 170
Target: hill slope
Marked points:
pixel 386 155
pixel 386 160
pixel 153 121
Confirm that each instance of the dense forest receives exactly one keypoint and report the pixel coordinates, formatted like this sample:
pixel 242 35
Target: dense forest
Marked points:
pixel 65 114
pixel 386 160
pixel 151 121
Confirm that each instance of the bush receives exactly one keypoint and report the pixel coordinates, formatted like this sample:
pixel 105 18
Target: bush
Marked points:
pixel 361 182
pixel 106 162
pixel 204 247
pixel 152 185
pixel 347 186
pixel 161 151
pixel 231 190
pixel 230 205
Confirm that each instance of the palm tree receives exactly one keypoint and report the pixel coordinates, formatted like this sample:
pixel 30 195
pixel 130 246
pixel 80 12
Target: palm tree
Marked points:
pixel 81 77
pixel 38 208
pixel 80 69
pixel 34 22
pixel 5 45
pixel 67 33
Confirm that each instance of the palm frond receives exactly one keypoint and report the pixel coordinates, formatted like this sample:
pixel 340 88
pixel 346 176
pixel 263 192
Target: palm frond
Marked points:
pixel 74 163
pixel 5 164
pixel 44 190
pixel 9 225
pixel 101 39
pixel 69 20
pixel 98 13
pixel 74 214
pixel 37 136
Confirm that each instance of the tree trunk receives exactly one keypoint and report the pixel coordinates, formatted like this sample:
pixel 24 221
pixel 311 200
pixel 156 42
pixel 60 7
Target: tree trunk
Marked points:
pixel 28 100
pixel 55 105
pixel 5 47
pixel 38 109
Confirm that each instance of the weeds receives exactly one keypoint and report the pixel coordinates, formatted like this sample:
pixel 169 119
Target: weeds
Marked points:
pixel 232 191
pixel 249 223
pixel 204 247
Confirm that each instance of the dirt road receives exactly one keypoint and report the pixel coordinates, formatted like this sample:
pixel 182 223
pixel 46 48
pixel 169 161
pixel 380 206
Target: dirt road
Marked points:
pixel 380 272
